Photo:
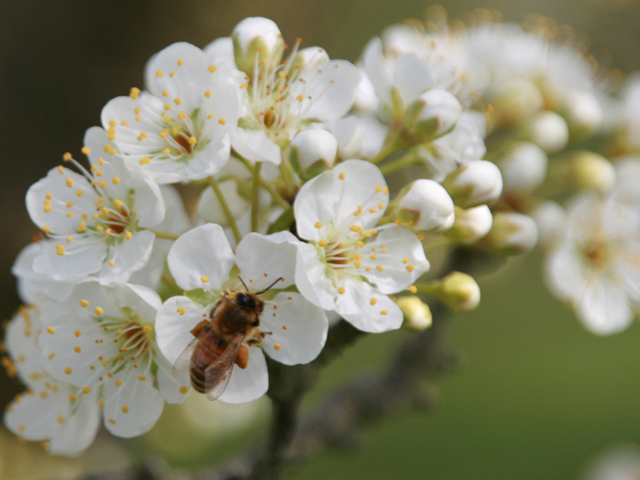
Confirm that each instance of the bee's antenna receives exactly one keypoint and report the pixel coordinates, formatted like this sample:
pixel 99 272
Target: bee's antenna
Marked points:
pixel 245 285
pixel 269 287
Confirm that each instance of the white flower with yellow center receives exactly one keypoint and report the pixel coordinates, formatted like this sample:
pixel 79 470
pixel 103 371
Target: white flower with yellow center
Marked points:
pixel 290 329
pixel 181 128
pixel 350 264
pixel 65 418
pixel 103 339
pixel 596 267
pixel 283 96
pixel 96 220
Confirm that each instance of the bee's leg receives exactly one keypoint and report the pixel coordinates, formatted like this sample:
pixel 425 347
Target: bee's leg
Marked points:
pixel 264 334
pixel 242 358
pixel 198 328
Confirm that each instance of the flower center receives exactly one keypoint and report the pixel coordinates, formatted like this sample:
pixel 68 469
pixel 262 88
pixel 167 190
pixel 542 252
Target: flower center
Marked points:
pixel 595 253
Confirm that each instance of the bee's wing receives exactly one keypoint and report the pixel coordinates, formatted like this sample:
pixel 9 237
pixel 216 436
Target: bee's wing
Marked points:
pixel 183 362
pixel 218 374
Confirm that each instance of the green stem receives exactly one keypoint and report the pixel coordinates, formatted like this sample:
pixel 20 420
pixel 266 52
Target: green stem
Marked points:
pixel 255 197
pixel 403 161
pixel 165 235
pixel 266 185
pixel 391 145
pixel 225 208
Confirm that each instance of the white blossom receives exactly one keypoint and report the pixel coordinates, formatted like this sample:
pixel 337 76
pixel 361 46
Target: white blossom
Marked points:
pixel 97 221
pixel 202 264
pixel 181 128
pixel 351 264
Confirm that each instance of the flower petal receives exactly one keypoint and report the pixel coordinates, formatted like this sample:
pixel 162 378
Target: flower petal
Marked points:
pixel 367 309
pixel 395 259
pixel 298 329
pixel 79 260
pixel 174 386
pixel 201 254
pixel 255 146
pixel 311 278
pixel 131 407
pixel 248 384
pixel 263 259
pixel 333 199
pixel 127 257
pixel 173 328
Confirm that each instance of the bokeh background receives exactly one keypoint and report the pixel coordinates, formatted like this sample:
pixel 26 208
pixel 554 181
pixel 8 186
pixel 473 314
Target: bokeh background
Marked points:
pixel 535 396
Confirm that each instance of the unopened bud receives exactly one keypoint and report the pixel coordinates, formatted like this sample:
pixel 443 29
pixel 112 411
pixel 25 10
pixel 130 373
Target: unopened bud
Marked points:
pixel 458 291
pixel 511 234
pixel 433 114
pixel 549 131
pixel 311 56
pixel 417 314
pixel 517 99
pixel 349 135
pixel 583 113
pixel 524 167
pixel 470 225
pixel 473 184
pixel 590 171
pixel 312 152
pixel 257 41
pixel 551 220
pixel 211 211
pixel 425 205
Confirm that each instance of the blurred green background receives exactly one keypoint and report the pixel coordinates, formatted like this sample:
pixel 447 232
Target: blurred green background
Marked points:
pixel 535 396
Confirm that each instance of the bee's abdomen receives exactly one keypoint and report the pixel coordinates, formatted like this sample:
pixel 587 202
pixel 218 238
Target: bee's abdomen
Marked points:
pixel 196 375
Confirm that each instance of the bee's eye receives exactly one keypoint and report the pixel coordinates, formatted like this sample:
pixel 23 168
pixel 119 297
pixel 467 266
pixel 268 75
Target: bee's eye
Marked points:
pixel 256 323
pixel 244 300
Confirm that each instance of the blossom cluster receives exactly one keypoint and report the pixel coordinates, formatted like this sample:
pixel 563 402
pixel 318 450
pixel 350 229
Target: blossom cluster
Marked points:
pixel 299 164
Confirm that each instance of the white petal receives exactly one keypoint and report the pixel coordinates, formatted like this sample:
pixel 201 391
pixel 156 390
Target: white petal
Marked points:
pixel 79 430
pixel 264 258
pixel 248 384
pixel 604 307
pixel 377 70
pixel 79 260
pixel 201 252
pixel 174 386
pixel 21 334
pixel 133 407
pixel 61 188
pixel 128 256
pixel 255 146
pixel 221 51
pixel 355 306
pixel 311 278
pixel 173 330
pixel 566 273
pixel 333 202
pixel 332 88
pixel 299 329
pixel 402 264
pixel 412 76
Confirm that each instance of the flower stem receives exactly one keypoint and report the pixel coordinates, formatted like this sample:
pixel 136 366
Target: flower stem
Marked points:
pixel 255 196
pixel 266 185
pixel 225 208
pixel 165 235
pixel 401 162
pixel 391 145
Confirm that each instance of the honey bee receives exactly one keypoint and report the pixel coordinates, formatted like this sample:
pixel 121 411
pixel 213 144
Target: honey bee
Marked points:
pixel 218 342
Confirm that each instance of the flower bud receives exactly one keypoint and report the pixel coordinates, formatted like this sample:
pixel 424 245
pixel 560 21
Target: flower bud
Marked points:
pixel 473 184
pixel 349 135
pixel 470 225
pixel 548 130
pixel 517 99
pixel 524 167
pixel 583 113
pixel 211 211
pixel 551 220
pixel 425 205
pixel 256 36
pixel 312 152
pixel 511 234
pixel 458 291
pixel 417 314
pixel 590 171
pixel 433 114
pixel 310 56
